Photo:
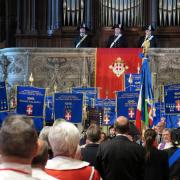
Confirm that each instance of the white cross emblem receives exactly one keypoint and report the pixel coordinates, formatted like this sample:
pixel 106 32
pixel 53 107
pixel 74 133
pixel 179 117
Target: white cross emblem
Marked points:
pixel 106 119
pixel 68 116
pixel 131 114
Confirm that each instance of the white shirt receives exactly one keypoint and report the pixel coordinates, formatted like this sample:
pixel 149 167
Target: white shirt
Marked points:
pixel 42 175
pixel 15 171
pixel 166 145
pixel 65 163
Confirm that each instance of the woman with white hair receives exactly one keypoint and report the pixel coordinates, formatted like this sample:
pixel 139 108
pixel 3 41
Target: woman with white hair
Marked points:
pixel 64 140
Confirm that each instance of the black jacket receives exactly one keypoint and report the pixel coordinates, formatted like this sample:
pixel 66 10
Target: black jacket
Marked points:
pixel 120 43
pixel 89 153
pixel 120 159
pixel 157 166
pixel 85 43
pixel 174 171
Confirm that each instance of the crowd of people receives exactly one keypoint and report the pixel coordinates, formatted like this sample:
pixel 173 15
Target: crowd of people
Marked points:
pixel 60 153
pixel 118 39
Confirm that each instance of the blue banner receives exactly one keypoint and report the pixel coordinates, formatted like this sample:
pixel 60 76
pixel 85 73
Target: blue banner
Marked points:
pixel 172 99
pixel 172 121
pixel 108 107
pixel 127 104
pixel 38 123
pixel 89 93
pixel 49 111
pixel 68 106
pixel 4 115
pixel 30 101
pixel 3 97
pixel 158 112
pixel 132 82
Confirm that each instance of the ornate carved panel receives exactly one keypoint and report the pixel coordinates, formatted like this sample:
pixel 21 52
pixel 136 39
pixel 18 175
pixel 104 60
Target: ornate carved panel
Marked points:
pixel 165 65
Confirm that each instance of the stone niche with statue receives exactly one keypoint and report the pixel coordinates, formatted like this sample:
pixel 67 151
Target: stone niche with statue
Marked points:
pixel 69 67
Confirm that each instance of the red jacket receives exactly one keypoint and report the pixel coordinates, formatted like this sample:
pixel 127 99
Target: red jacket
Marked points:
pixel 70 169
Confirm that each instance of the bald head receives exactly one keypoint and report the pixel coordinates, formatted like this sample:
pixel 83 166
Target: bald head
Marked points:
pixel 121 125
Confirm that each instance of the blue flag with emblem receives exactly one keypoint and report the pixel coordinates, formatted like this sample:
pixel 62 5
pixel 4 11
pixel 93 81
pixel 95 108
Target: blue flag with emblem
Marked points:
pixel 132 82
pixel 3 97
pixel 30 101
pixel 172 99
pixel 127 104
pixel 49 110
pixel 172 120
pixel 88 92
pixel 68 106
pixel 158 112
pixel 108 106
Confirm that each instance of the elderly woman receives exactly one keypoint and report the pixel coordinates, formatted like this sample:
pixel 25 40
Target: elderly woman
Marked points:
pixel 167 142
pixel 64 139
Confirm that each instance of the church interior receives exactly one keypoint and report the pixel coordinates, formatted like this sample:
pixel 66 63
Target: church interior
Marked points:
pixel 37 37
pixel 90 89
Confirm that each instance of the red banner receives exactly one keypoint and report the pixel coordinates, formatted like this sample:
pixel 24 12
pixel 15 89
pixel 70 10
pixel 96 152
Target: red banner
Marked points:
pixel 111 65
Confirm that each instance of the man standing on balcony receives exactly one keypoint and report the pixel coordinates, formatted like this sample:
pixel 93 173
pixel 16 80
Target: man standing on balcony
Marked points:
pixel 147 38
pixel 83 40
pixel 118 40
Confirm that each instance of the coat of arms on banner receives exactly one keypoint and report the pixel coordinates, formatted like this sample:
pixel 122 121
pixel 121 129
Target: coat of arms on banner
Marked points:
pixel 178 105
pixel 131 113
pixel 106 119
pixel 29 109
pixel 68 115
pixel 118 67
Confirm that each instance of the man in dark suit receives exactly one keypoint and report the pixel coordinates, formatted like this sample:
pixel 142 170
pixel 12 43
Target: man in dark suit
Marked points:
pixel 148 37
pixel 90 150
pixel 120 158
pixel 83 39
pixel 118 40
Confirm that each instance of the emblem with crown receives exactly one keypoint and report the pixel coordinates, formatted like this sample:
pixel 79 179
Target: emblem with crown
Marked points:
pixel 118 67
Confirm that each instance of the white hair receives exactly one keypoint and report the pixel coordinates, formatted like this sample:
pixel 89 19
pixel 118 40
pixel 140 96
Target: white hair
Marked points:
pixel 64 139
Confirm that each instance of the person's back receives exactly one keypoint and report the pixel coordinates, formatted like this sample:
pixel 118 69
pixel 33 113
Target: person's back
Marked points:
pixel 90 150
pixel 120 158
pixel 8 174
pixel 156 161
pixel 157 166
pixel 174 168
pixel 64 139
pixel 68 172
pixel 89 153
pixel 174 155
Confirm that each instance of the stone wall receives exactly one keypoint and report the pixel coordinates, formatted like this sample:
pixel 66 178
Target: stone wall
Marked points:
pixel 54 66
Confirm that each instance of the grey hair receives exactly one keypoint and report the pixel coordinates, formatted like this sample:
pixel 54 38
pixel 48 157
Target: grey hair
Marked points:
pixel 93 133
pixel 64 139
pixel 44 134
pixel 18 137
